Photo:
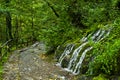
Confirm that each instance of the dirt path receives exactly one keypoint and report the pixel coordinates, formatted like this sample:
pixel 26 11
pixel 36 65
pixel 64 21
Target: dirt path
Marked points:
pixel 27 64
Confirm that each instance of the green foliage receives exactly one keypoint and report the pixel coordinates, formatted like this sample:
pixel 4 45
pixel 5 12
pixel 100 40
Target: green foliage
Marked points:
pixel 1 71
pixel 36 20
pixel 3 59
pixel 59 34
pixel 100 77
pixel 89 13
pixel 106 55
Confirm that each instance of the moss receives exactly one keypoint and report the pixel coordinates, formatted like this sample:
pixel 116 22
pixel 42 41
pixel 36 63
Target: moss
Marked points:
pixel 68 42
pixel 76 40
pixel 119 78
pixel 100 77
pixel 1 71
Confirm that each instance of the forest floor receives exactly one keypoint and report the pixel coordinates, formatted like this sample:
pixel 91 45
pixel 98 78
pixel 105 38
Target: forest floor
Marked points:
pixel 31 64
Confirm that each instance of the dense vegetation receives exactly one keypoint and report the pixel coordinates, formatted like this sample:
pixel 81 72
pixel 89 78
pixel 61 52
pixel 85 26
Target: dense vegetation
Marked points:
pixel 56 21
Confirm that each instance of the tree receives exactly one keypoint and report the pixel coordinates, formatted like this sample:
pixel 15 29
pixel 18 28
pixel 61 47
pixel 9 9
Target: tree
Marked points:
pixel 8 22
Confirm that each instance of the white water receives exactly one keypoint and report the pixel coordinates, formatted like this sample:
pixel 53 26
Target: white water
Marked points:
pixel 108 32
pixel 102 34
pixel 67 51
pixel 78 65
pixel 74 57
pixel 96 35
pixel 84 39
pixel 75 62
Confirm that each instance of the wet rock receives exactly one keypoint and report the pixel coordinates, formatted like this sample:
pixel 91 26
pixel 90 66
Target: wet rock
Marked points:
pixel 58 52
pixel 66 61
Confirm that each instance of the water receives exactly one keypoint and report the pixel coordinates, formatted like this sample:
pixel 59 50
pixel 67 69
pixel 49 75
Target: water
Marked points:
pixel 95 35
pixel 78 65
pixel 67 51
pixel 74 57
pixel 84 39
pixel 75 62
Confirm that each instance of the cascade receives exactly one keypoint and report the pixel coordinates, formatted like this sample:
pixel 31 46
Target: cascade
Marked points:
pixel 84 39
pixel 102 33
pixel 78 65
pixel 67 51
pixel 75 61
pixel 74 56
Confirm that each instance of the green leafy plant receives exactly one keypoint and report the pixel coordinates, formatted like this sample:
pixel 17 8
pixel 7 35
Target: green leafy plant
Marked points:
pixel 106 55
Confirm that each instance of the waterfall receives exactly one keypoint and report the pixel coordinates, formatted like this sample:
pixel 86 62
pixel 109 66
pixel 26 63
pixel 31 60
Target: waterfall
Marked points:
pixel 74 56
pixel 75 61
pixel 102 34
pixel 95 35
pixel 67 51
pixel 78 65
pixel 84 39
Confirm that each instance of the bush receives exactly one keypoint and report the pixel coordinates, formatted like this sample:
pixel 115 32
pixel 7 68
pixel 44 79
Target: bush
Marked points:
pixel 106 55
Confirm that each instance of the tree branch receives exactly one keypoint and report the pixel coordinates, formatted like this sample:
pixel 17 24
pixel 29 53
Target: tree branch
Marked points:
pixel 52 8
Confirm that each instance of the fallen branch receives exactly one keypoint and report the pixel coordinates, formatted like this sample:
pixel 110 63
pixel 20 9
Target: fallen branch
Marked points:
pixel 2 47
pixel 6 43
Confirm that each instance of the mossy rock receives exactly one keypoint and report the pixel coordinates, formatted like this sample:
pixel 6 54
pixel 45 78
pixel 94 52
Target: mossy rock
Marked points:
pixel 59 51
pixel 65 61
pixel 77 40
pixel 119 78
pixel 68 42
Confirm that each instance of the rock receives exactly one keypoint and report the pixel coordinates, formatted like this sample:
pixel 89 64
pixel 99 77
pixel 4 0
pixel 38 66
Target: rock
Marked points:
pixel 65 61
pixel 40 78
pixel 84 77
pixel 58 52
pixel 28 78
pixel 61 77
pixel 28 65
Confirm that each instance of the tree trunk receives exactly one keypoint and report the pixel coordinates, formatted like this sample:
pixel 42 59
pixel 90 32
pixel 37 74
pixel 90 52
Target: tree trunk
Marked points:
pixel 16 33
pixel 9 25
pixel 8 22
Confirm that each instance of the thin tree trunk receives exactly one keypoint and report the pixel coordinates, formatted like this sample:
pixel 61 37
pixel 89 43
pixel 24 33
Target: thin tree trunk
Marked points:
pixel 16 34
pixel 8 22
pixel 9 25
pixel 33 34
